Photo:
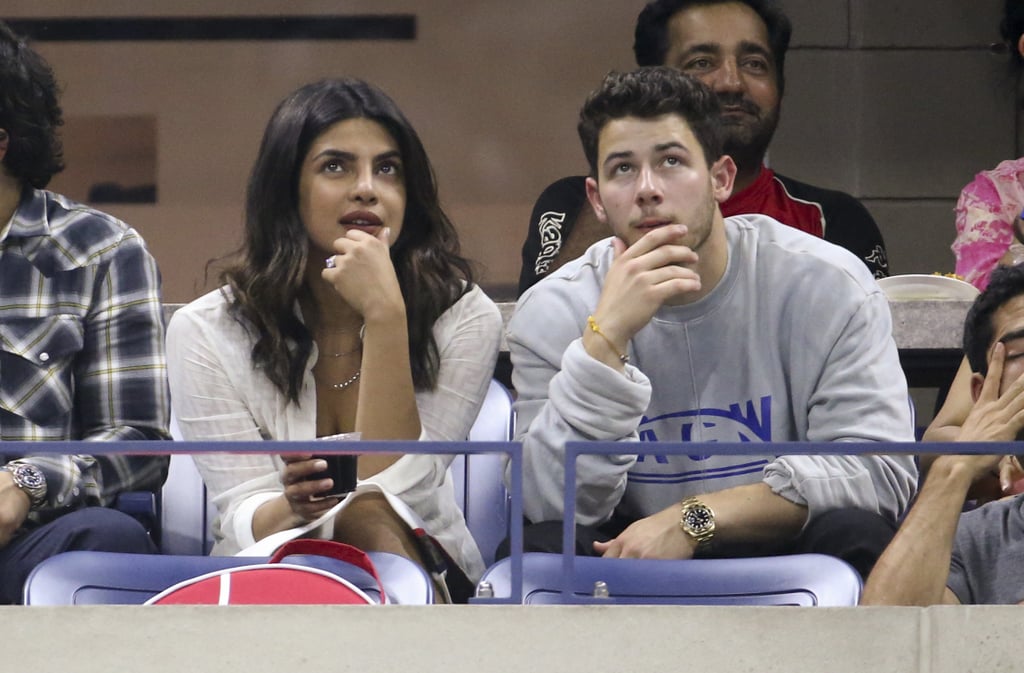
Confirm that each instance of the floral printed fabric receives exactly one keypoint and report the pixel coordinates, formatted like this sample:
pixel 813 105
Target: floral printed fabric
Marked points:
pixel 985 214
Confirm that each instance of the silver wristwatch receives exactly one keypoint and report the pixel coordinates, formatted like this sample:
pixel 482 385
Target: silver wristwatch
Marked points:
pixel 29 479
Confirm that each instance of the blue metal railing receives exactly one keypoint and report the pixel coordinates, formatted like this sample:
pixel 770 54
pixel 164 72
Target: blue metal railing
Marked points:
pixel 512 449
pixel 573 450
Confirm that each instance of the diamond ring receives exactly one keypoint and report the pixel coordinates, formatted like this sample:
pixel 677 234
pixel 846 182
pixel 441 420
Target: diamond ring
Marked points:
pixel 329 262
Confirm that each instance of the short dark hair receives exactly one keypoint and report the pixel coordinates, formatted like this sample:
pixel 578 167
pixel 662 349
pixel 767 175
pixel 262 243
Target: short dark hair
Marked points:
pixel 1005 283
pixel 650 43
pixel 29 112
pixel 268 276
pixel 647 93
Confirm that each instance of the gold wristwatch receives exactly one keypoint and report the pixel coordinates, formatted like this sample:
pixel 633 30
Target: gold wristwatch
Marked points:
pixel 697 520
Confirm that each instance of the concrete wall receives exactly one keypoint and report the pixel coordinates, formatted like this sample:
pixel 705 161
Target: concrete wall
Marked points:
pixel 900 103
pixel 512 639
pixel 895 101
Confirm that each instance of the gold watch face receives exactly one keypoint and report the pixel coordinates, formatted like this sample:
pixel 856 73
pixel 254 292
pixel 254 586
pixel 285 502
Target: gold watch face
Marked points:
pixel 699 519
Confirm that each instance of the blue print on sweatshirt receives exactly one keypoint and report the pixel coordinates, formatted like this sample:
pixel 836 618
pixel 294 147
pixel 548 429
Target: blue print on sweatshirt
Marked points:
pixel 741 422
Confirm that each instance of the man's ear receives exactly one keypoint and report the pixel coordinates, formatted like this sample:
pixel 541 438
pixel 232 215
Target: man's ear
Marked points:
pixel 594 197
pixel 977 381
pixel 723 176
pixel 4 142
pixel 1020 45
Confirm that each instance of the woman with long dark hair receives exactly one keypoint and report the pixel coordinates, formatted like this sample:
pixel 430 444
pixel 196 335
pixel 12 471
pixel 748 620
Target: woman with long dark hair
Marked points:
pixel 348 310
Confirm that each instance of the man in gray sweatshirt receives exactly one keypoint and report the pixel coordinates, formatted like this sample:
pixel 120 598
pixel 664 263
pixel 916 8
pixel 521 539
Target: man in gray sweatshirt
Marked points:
pixel 687 326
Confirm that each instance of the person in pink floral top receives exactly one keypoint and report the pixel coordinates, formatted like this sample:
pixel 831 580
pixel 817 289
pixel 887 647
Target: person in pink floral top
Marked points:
pixel 986 214
pixel 990 233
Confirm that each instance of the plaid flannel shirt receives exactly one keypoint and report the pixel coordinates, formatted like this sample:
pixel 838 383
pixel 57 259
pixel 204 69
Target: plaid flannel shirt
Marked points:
pixel 81 348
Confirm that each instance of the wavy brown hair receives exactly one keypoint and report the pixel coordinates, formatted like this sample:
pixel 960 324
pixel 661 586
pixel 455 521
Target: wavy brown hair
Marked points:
pixel 648 93
pixel 268 277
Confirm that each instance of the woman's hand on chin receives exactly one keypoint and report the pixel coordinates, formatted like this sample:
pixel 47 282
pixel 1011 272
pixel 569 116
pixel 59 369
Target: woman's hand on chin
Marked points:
pixel 363 275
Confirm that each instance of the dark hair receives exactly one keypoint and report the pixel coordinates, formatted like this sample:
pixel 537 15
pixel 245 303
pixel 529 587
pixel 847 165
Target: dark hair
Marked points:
pixel 649 93
pixel 1005 283
pixel 651 42
pixel 269 276
pixel 29 112
pixel 1011 27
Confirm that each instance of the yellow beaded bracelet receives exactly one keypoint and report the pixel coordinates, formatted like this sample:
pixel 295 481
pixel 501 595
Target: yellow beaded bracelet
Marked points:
pixel 623 358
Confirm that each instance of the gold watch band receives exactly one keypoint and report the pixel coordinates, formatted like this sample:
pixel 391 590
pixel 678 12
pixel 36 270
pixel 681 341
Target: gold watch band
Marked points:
pixel 697 520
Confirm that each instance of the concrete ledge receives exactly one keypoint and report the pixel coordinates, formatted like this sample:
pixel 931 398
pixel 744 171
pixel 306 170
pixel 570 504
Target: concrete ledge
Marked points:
pixel 929 324
pixel 497 639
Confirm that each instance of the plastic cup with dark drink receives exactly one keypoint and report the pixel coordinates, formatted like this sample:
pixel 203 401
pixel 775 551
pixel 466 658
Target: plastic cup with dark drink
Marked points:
pixel 341 469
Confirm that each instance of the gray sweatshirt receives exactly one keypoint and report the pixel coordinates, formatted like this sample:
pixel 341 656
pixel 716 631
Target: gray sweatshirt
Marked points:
pixel 794 344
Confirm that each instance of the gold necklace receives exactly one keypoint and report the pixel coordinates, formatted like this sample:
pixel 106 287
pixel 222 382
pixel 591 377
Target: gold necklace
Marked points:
pixel 359 347
pixel 345 330
pixel 344 353
pixel 354 377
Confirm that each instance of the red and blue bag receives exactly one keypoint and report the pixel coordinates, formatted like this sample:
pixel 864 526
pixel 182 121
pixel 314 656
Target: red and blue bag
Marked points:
pixel 280 583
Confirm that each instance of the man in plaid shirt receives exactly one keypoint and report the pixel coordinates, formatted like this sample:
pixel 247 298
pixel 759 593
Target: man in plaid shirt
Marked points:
pixel 81 344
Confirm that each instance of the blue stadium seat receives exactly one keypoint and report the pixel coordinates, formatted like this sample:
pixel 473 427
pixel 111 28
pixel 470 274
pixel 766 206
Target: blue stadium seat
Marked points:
pixel 143 507
pixel 495 422
pixel 799 579
pixel 479 477
pixel 186 512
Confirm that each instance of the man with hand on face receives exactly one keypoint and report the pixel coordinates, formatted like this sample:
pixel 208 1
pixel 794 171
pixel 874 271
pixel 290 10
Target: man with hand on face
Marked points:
pixel 690 326
pixel 940 555
pixel 738 48
pixel 81 344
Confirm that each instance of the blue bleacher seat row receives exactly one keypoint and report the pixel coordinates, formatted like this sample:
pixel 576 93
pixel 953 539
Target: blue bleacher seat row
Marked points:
pixel 798 579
